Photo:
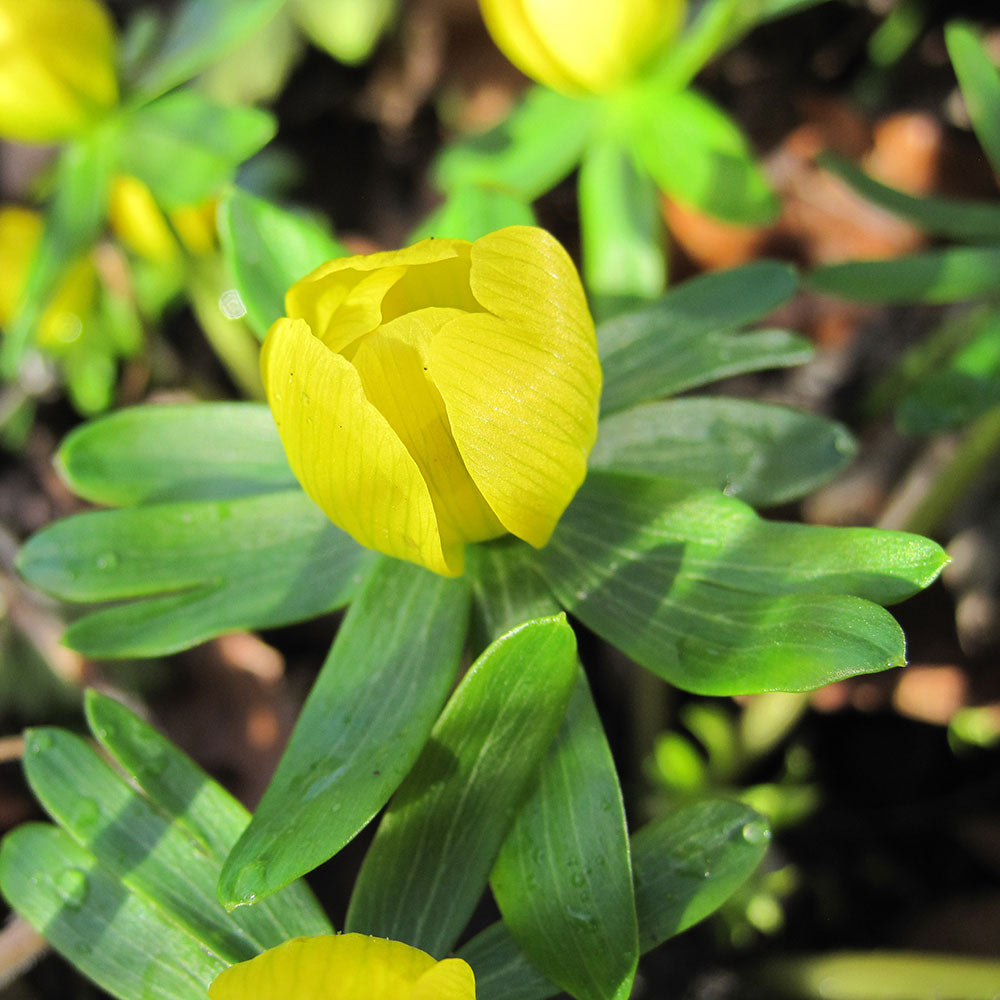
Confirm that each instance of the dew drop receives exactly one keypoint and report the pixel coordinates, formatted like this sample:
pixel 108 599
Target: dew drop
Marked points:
pixel 231 304
pixel 108 560
pixel 72 886
pixel 85 817
pixel 756 832
pixel 40 742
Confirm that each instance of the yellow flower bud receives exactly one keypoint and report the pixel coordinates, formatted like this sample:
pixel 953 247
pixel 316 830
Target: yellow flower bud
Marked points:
pixel 56 68
pixel 438 395
pixel 63 319
pixel 576 47
pixel 345 967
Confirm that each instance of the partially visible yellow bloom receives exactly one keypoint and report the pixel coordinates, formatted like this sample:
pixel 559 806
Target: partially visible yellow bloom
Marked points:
pixel 57 71
pixel 20 231
pixel 345 967
pixel 438 395
pixel 581 47
pixel 73 299
pixel 141 225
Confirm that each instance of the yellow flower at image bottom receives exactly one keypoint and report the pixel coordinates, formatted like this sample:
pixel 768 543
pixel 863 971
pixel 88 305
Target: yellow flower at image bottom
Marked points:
pixel 345 967
pixel 439 395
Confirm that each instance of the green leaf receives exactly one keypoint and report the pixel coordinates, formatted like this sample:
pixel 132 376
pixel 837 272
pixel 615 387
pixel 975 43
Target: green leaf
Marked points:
pixel 697 155
pixel 620 224
pixel 473 210
pixel 121 940
pixel 684 867
pixel 347 29
pixel 955 218
pixel 695 587
pixel 73 221
pixel 507 589
pixel 432 854
pixel 689 336
pixel 761 453
pixel 194 570
pixel 363 725
pixel 268 249
pixel 188 451
pixel 126 891
pixel 563 879
pixel 204 810
pixel 201 32
pixel 528 153
pixel 186 148
pixel 952 274
pixel 946 401
pixel 980 83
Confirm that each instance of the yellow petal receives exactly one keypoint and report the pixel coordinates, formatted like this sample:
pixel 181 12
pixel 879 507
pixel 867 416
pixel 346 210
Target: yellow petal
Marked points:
pixel 574 46
pixel 138 222
pixel 451 979
pixel 71 305
pixel 56 67
pixel 392 363
pixel 330 967
pixel 347 298
pixel 20 232
pixel 522 386
pixel 345 454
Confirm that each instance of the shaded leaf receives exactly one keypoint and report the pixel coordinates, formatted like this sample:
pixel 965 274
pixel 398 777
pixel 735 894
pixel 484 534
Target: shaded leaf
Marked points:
pixel 194 570
pixel 363 725
pixel 684 865
pixel 267 249
pixel 185 148
pixel 980 83
pixel 187 451
pixel 762 453
pixel 934 276
pixel 200 32
pixel 429 862
pixel 955 218
pixel 695 587
pixel 690 336
pixel 563 879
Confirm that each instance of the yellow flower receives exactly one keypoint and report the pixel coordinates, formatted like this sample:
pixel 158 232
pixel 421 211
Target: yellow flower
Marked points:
pixel 56 67
pixel 73 299
pixel 139 223
pixel 581 47
pixel 438 395
pixel 345 967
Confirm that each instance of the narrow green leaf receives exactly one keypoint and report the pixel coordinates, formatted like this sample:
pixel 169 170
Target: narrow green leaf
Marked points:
pixel 952 274
pixel 431 857
pixel 188 451
pixel 620 224
pixel 121 940
pixel 684 866
pixel 563 879
pixel 363 725
pixel 695 587
pixel 980 83
pixel 201 568
pixel 528 153
pixel 955 218
pixel 473 210
pixel 761 453
pixel 946 401
pixel 507 589
pixel 697 155
pixel 690 335
pixel 186 148
pixel 201 808
pixel 201 32
pixel 73 221
pixel 268 249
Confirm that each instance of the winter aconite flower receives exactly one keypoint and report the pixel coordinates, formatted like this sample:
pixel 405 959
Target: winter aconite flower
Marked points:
pixel 581 47
pixel 438 395
pixel 345 967
pixel 56 68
